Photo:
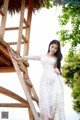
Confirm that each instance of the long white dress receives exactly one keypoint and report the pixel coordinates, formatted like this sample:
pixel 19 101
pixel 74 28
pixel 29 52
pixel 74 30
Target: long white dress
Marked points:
pixel 51 95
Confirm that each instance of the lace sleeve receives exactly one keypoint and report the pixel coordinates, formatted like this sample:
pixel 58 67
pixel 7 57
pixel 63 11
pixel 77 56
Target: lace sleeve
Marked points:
pixel 32 57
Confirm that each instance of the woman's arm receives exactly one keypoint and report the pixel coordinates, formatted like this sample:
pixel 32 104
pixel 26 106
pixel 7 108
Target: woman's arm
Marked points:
pixel 32 57
pixel 27 58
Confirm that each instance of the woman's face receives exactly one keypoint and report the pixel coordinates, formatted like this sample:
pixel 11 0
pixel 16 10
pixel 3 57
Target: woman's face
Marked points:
pixel 53 48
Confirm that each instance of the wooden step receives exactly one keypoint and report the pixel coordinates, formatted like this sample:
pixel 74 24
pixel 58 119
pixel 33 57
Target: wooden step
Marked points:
pixel 25 22
pixel 25 63
pixel 21 66
pixel 5 69
pixel 35 99
pixel 14 28
pixel 14 43
pixel 25 40
pixel 28 83
pixel 1 12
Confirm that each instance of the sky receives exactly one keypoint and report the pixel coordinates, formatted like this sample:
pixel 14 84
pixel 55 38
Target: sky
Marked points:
pixel 43 30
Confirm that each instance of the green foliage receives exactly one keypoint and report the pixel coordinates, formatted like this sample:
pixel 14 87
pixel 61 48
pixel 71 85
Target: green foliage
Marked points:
pixel 48 4
pixel 71 73
pixel 71 68
pixel 76 93
pixel 70 14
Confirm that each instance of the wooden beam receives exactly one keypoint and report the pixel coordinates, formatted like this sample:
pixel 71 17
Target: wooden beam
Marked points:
pixel 18 105
pixel 20 27
pixel 5 60
pixel 1 12
pixel 4 51
pixel 14 28
pixel 3 48
pixel 12 95
pixel 27 33
pixel 3 21
pixel 5 69
pixel 3 42
pixel 15 43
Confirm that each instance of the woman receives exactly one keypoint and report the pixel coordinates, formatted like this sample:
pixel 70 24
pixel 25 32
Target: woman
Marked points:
pixel 51 97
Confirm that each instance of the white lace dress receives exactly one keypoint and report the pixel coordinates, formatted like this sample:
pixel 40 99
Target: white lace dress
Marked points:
pixel 51 96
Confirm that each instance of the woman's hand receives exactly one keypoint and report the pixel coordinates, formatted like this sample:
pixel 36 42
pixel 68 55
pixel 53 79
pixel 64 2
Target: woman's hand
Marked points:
pixel 57 71
pixel 16 58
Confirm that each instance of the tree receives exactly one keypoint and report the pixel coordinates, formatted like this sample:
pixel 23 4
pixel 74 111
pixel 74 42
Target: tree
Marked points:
pixel 71 69
pixel 71 73
pixel 70 15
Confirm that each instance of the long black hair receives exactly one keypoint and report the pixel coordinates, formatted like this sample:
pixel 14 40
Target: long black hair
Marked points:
pixel 58 54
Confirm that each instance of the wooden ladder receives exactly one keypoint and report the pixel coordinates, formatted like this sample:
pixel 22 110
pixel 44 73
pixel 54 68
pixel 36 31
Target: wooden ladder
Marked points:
pixel 21 66
pixel 26 84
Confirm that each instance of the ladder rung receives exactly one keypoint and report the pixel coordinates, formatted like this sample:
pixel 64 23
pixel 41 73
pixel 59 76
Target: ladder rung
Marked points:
pixel 14 28
pixel 14 43
pixel 25 63
pixel 22 69
pixel 35 99
pixel 21 66
pixel 25 40
pixel 25 22
pixel 1 12
pixel 28 83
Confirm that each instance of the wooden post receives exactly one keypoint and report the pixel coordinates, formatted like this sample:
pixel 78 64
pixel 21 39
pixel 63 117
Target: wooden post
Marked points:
pixel 4 17
pixel 20 27
pixel 27 33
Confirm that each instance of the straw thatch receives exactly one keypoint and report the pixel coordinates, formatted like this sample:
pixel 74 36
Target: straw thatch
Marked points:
pixel 15 5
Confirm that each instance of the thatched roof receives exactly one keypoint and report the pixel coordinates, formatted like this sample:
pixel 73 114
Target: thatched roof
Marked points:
pixel 15 5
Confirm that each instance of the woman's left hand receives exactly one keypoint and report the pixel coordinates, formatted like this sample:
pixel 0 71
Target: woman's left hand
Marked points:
pixel 18 59
pixel 57 71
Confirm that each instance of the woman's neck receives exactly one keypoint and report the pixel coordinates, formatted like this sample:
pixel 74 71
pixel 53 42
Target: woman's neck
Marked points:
pixel 50 54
